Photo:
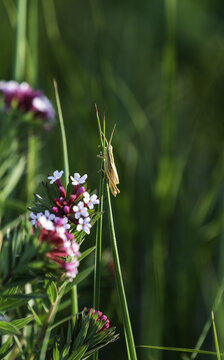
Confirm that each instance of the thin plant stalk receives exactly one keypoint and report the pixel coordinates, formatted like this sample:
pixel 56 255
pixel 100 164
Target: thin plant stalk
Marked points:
pixel 63 135
pixel 215 338
pixel 20 55
pixel 120 286
pixel 98 253
pixel 74 296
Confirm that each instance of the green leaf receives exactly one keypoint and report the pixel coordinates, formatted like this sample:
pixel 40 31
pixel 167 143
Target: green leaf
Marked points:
pixel 80 338
pixel 20 323
pixel 56 353
pixel 78 354
pixel 9 304
pixel 5 347
pixel 52 291
pixel 8 329
pixel 80 277
pixel 86 253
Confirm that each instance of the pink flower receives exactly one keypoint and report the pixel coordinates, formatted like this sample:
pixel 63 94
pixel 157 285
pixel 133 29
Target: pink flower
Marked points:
pixel 26 99
pixel 63 245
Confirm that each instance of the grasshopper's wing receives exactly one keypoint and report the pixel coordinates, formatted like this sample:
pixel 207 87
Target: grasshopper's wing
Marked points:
pixel 112 165
pixel 113 188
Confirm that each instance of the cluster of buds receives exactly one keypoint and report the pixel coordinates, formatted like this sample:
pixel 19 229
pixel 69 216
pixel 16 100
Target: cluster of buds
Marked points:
pixel 77 211
pixel 62 243
pixel 99 317
pixel 23 97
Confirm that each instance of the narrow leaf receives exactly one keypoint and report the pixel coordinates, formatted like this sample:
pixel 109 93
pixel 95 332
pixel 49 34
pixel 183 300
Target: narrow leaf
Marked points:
pixel 8 329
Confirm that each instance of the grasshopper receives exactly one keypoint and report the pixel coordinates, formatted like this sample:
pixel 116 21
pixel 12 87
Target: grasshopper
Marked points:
pixel 109 165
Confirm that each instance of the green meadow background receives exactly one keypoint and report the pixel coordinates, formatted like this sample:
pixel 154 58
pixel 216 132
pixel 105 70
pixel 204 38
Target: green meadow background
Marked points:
pixel 156 68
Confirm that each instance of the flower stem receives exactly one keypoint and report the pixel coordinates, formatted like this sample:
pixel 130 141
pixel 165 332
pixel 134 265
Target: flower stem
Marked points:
pixel 20 56
pixel 120 286
pixel 97 270
pixel 74 296
pixel 63 135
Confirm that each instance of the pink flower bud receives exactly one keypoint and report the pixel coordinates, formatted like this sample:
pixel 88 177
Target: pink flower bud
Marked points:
pixel 80 191
pixel 66 209
pixel 62 191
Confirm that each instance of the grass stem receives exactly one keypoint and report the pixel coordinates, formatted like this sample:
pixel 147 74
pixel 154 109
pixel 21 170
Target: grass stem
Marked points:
pixel 98 253
pixel 20 55
pixel 120 286
pixel 74 296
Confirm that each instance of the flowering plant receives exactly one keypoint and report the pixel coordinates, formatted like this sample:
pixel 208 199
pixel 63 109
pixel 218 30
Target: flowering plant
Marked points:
pixel 28 101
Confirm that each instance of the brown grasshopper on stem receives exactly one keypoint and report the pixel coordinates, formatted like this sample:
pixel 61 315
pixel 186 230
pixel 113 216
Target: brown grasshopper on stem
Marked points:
pixel 109 165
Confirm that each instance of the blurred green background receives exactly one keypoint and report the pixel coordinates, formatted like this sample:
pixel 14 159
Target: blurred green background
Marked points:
pixel 156 68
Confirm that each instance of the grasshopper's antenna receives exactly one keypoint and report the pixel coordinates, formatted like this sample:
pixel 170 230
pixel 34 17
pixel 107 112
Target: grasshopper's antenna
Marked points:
pixel 112 134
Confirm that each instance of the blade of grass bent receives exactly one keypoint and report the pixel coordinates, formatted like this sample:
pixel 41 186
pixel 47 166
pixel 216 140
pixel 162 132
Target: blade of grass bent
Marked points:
pixel 74 297
pixel 120 286
pixel 98 253
pixel 215 337
pixel 205 352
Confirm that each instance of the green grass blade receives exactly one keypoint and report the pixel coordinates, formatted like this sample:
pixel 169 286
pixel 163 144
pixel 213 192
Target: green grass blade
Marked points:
pixel 74 296
pixel 20 56
pixel 99 230
pixel 215 337
pixel 63 135
pixel 205 352
pixel 120 286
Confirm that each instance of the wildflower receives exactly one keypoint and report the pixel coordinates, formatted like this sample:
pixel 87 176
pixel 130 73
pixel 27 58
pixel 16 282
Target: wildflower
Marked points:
pixel 62 222
pixel 77 179
pixel 90 200
pixel 56 176
pixel 48 215
pixel 63 245
pixel 84 224
pixel 67 208
pixel 71 269
pixel 46 223
pixel 34 218
pixel 26 100
pixel 80 210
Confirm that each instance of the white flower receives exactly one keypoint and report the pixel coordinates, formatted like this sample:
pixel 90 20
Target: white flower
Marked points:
pixel 24 87
pixel 84 225
pixel 77 179
pixel 71 268
pixel 42 104
pixel 90 200
pixel 63 222
pixel 80 210
pixel 66 226
pixel 72 248
pixel 9 86
pixel 61 232
pixel 46 224
pixel 56 175
pixel 48 215
pixel 34 218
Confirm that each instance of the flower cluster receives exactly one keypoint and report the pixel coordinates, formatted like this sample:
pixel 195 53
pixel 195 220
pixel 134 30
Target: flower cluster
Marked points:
pixel 76 209
pixel 77 206
pixel 26 99
pixel 100 317
pixel 63 244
